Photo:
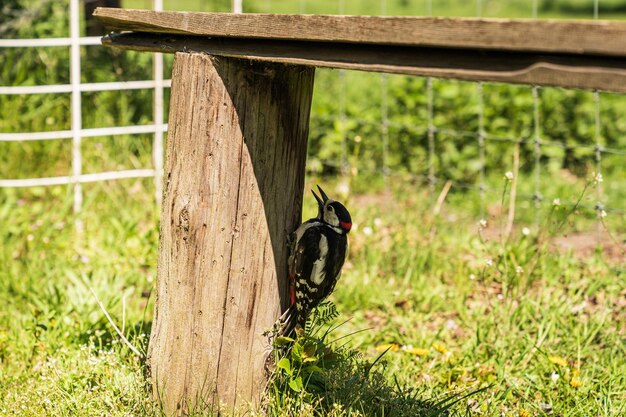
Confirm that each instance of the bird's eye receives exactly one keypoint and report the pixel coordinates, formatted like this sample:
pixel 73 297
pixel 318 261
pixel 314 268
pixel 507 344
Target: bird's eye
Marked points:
pixel 329 208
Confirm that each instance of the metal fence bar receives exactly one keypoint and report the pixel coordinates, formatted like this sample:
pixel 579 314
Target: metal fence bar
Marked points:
pixel 600 213
pixel 77 162
pixel 384 114
pixel 342 109
pixel 83 133
pixel 82 178
pixel 237 6
pixel 481 133
pixel 384 108
pixel 537 156
pixel 481 146
pixel 46 42
pixel 431 136
pixel 157 145
pixel 598 159
pixel 430 124
pixel 86 87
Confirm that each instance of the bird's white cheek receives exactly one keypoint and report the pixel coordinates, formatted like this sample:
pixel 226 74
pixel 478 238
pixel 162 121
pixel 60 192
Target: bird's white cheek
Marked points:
pixel 331 218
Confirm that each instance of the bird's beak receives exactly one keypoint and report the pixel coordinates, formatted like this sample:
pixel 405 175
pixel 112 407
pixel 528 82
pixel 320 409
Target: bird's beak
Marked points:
pixel 320 203
pixel 323 194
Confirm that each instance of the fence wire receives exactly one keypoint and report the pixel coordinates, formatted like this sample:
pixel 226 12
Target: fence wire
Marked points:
pixel 427 127
pixel 536 140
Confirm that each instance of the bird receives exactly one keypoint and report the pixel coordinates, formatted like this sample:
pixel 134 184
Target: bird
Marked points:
pixel 318 250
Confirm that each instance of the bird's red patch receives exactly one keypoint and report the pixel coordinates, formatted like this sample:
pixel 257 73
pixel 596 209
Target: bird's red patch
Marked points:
pixel 292 290
pixel 345 225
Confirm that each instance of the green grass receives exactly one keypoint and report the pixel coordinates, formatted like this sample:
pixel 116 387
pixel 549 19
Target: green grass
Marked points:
pixel 418 283
pixel 537 326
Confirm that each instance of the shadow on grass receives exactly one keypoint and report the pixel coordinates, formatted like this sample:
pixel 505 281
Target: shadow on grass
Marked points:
pixel 349 386
pixel 315 377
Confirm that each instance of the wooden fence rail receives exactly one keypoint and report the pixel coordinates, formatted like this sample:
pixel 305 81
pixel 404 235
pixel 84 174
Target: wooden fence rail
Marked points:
pixel 574 54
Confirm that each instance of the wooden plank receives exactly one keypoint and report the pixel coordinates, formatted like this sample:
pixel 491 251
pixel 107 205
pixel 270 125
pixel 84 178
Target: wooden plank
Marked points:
pixel 554 36
pixel 222 269
pixel 571 71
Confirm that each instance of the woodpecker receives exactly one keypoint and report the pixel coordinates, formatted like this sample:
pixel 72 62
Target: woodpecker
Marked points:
pixel 317 252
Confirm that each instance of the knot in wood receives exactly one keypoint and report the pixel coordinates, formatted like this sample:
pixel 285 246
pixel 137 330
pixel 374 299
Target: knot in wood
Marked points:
pixel 183 220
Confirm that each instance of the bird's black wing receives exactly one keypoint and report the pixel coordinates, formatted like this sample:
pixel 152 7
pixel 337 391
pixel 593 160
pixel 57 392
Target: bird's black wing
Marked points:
pixel 307 251
pixel 338 245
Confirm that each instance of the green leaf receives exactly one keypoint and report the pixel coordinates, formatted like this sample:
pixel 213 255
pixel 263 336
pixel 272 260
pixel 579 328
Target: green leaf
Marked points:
pixel 312 369
pixel 283 340
pixel 284 364
pixel 309 350
pixel 297 352
pixel 296 384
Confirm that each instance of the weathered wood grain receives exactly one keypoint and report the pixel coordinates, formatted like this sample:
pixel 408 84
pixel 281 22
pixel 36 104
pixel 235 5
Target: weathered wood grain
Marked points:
pixel 234 176
pixel 572 71
pixel 554 36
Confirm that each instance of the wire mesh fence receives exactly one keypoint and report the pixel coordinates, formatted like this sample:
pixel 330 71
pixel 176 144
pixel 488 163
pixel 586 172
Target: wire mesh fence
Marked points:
pixel 420 139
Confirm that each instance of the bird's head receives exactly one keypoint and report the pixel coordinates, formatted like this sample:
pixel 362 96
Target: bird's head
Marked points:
pixel 332 212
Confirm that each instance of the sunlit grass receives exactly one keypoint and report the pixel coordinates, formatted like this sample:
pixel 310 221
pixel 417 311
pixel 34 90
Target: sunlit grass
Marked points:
pixel 459 309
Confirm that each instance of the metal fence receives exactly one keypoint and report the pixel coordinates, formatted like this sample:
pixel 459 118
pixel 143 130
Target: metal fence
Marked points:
pixel 77 132
pixel 158 84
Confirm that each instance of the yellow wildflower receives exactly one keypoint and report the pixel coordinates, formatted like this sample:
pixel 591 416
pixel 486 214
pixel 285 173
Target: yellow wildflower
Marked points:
pixel 415 351
pixel 524 413
pixel 394 347
pixel 575 381
pixel 440 347
pixel 557 360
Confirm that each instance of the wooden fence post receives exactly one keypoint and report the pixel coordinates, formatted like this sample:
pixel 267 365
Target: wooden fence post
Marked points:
pixel 234 176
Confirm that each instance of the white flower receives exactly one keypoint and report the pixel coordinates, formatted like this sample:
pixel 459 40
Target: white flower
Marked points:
pixel 472 277
pixel 451 325
pixel 367 231
pixel 525 231
pixel 482 223
pixel 579 308
pixel 509 175
pixel 488 261
pixel 554 376
pixel 602 214
pixel 598 178
pixel 556 202
pixel 519 270
pixel 377 222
